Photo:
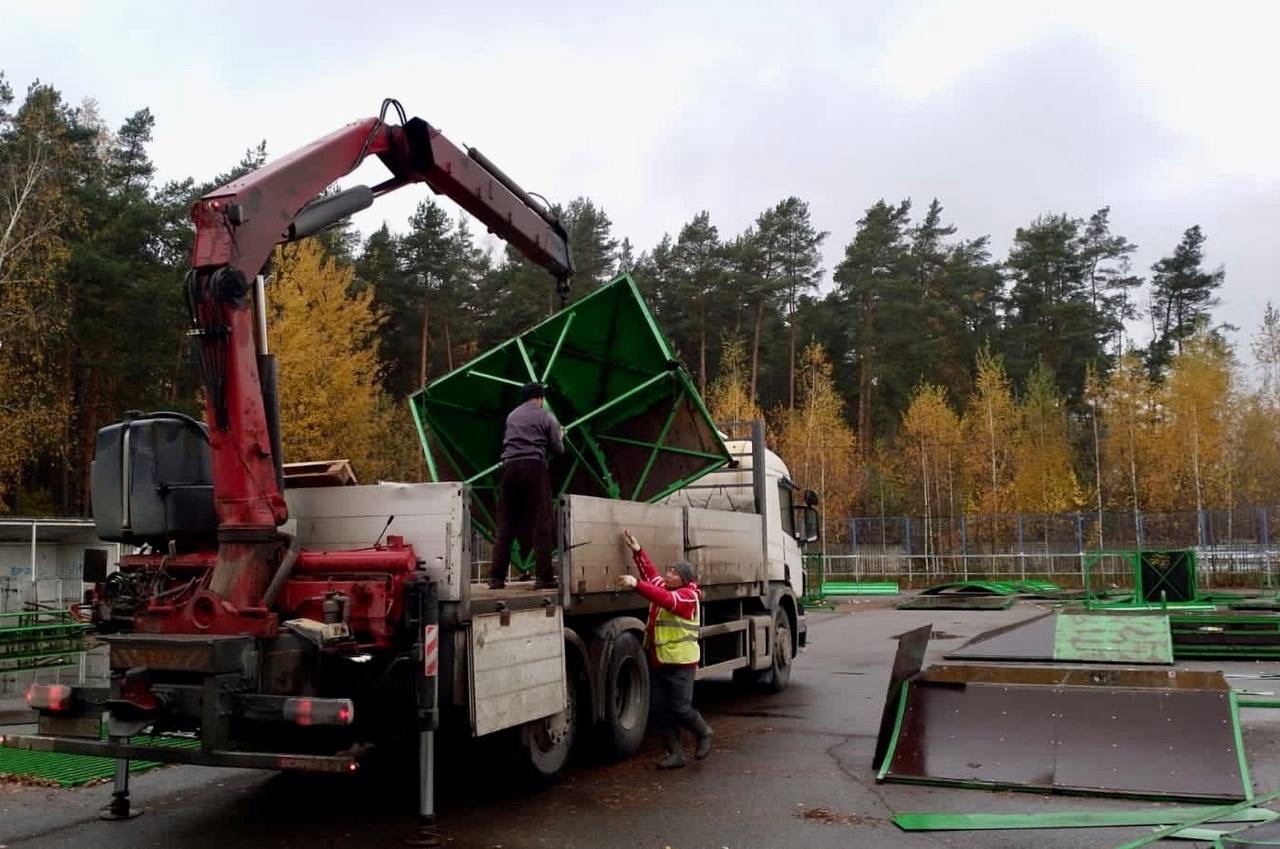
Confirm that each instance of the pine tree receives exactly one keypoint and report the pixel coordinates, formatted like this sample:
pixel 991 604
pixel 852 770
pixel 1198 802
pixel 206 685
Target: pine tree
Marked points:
pixel 1050 315
pixel 871 281
pixel 591 244
pixel 699 262
pixel 1182 294
pixel 791 266
pixel 1106 258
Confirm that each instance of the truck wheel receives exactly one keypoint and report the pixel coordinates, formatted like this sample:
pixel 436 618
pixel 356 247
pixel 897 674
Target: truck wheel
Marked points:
pixel 626 698
pixel 546 743
pixel 778 675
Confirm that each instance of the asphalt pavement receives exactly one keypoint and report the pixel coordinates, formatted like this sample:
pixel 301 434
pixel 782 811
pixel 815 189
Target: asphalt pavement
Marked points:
pixel 790 771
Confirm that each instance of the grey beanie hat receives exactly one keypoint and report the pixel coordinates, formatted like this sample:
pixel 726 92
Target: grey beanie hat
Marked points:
pixel 685 570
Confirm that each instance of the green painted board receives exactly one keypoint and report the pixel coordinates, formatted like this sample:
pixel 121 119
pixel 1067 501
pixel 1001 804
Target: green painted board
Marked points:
pixel 1112 639
pixel 859 588
pixel 1193 821
pixel 1072 819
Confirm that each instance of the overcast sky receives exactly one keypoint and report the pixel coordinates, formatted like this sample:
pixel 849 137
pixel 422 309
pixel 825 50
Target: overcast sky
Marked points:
pixel 1165 111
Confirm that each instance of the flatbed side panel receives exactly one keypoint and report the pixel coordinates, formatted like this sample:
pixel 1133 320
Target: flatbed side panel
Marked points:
pixel 517 668
pixel 725 547
pixel 432 517
pixel 593 537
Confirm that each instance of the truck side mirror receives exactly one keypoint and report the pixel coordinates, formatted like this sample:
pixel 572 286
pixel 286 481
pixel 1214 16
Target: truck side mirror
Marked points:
pixel 810 524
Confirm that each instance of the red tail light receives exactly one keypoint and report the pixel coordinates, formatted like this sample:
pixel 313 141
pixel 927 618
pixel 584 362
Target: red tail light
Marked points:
pixel 51 697
pixel 308 711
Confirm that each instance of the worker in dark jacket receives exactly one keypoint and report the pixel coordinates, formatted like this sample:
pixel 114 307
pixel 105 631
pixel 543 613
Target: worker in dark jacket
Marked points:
pixel 524 495
pixel 671 640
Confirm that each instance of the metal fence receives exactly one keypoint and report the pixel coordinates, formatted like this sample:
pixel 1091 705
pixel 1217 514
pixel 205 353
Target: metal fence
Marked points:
pixel 1238 548
pixel 1064 532
pixel 1256 569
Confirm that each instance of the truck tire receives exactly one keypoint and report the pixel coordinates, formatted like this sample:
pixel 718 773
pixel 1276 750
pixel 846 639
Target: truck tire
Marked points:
pixel 776 678
pixel 545 745
pixel 626 698
pixel 778 675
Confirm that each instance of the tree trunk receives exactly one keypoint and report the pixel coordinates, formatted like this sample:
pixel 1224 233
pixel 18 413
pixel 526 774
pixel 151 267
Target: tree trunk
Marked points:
pixel 864 375
pixel 424 344
pixel 89 432
pixel 448 347
pixel 791 374
pixel 69 434
pixel 755 348
pixel 702 348
pixel 864 405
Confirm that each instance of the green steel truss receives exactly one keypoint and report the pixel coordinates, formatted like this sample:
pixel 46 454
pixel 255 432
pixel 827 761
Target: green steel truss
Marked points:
pixel 635 426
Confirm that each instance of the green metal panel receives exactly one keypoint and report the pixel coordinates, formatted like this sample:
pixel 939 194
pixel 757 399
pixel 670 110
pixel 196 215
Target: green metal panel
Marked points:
pixel 635 426
pixel 73 770
pixel 1210 817
pixel 1072 819
pixel 831 588
pixel 1112 639
pixel 39 639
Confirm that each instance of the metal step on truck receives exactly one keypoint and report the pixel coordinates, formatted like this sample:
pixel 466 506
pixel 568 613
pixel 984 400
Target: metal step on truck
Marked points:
pixel 263 620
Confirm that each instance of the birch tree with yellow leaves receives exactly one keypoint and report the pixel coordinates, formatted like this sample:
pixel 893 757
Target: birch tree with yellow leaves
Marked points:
pixel 816 442
pixel 325 338
pixel 1044 478
pixel 930 455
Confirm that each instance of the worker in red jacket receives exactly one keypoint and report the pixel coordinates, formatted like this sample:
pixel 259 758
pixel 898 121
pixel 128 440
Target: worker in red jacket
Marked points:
pixel 671 640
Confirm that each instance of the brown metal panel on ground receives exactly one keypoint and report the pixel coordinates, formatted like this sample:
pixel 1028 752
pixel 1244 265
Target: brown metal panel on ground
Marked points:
pixel 1079 676
pixel 907 662
pixel 1180 742
pixel 1176 741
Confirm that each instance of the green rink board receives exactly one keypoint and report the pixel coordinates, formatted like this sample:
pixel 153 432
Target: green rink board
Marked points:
pixel 73 770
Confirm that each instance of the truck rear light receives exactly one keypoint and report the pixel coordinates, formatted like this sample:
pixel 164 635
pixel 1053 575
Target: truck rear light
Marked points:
pixel 308 711
pixel 54 698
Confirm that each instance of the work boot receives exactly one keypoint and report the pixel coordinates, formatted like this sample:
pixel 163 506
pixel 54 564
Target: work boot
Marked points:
pixel 497 584
pixel 546 584
pixel 674 758
pixel 704 734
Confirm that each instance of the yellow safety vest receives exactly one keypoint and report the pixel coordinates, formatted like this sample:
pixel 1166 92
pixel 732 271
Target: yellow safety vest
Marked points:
pixel 675 640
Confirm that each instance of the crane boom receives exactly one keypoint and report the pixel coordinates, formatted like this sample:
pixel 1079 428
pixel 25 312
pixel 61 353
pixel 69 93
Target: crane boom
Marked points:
pixel 237 227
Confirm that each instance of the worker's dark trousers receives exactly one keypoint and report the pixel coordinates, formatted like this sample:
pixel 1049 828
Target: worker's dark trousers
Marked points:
pixel 672 702
pixel 524 514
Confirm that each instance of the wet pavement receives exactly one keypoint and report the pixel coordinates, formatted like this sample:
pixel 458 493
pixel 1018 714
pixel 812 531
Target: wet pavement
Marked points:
pixel 790 771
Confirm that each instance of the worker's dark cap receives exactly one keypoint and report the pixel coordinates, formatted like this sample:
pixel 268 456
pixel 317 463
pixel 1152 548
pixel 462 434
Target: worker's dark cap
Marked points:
pixel 684 569
pixel 532 390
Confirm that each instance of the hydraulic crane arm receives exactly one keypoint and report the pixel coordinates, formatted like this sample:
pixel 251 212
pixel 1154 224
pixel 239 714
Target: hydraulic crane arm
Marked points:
pixel 237 227
pixel 239 224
